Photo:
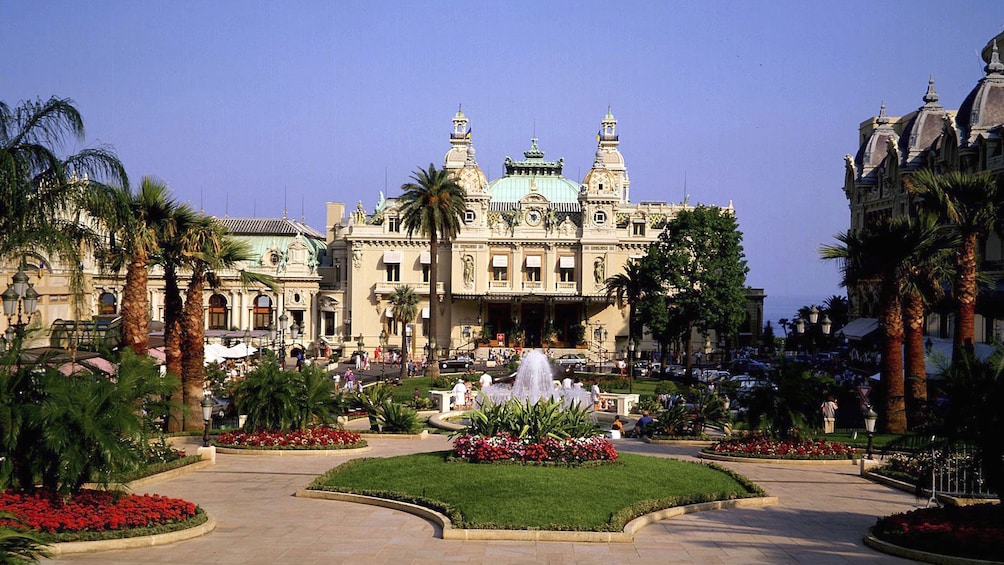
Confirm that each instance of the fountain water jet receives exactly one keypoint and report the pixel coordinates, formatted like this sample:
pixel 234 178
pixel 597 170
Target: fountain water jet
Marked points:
pixel 534 381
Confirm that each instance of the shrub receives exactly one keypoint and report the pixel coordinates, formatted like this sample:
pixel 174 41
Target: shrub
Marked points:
pixel 62 432
pixel 17 546
pixel 397 418
pixel 546 418
pixel 274 399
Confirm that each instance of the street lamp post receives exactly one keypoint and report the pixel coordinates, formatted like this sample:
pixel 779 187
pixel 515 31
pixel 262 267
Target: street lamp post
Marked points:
pixel 870 418
pixel 283 324
pixel 207 414
pixel 20 298
pixel 631 366
pixel 383 351
pixel 814 325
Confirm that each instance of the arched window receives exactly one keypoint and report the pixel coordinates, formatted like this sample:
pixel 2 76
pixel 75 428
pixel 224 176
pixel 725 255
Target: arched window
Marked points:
pixel 262 312
pixel 107 304
pixel 217 312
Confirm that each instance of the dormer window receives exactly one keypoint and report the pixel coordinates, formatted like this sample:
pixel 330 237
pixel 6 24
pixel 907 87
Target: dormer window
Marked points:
pixel 394 224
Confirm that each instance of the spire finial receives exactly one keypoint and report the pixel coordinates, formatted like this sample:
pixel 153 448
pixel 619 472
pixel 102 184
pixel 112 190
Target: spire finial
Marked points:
pixel 995 65
pixel 882 117
pixel 932 96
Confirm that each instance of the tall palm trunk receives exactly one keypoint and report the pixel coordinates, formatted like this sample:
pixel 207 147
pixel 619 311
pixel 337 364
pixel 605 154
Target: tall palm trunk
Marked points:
pixel 193 372
pixel 432 367
pixel 136 304
pixel 404 350
pixel 891 316
pixel 965 297
pixel 916 369
pixel 688 348
pixel 173 306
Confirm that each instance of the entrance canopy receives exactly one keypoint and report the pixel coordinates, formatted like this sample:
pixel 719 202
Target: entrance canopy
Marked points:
pixel 859 329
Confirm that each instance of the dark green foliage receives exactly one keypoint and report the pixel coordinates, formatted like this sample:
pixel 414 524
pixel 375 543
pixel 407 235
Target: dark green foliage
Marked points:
pixel 700 256
pixel 398 418
pixel 532 421
pixel 19 547
pixel 791 403
pixel 61 432
pixel 274 399
pixel 975 392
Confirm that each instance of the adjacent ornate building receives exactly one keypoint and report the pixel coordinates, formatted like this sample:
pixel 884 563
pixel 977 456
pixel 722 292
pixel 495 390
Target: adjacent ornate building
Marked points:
pixel 932 137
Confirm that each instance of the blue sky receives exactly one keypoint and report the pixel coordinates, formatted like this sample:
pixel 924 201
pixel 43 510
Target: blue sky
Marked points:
pixel 248 108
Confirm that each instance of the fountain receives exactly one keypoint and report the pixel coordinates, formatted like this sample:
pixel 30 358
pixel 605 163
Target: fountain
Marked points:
pixel 534 381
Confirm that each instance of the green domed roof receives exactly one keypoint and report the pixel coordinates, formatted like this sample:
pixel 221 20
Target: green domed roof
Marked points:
pixel 533 175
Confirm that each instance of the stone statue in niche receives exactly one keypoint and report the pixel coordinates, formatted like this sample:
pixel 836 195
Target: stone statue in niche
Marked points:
pixel 468 271
pixel 598 270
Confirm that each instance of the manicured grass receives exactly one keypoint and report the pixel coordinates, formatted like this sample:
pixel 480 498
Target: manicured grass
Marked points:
pixel 879 441
pixel 600 497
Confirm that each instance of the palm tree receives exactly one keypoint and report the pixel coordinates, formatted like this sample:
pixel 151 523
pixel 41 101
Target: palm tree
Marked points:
pixel 971 203
pixel 882 255
pixel 629 288
pixel 404 304
pixel 138 222
pixel 209 248
pixel 433 206
pixel 172 241
pixel 46 196
pixel 923 286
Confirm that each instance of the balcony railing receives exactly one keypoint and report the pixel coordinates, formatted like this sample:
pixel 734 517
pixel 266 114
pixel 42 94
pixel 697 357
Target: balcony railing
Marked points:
pixel 498 285
pixel 566 286
pixel 532 285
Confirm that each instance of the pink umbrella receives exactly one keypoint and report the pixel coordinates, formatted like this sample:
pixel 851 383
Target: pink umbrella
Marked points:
pixel 158 355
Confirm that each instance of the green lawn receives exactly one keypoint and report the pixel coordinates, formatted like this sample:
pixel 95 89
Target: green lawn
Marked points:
pixel 538 497
pixel 878 442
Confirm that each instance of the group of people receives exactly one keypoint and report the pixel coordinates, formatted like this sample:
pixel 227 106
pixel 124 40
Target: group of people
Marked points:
pixel 463 391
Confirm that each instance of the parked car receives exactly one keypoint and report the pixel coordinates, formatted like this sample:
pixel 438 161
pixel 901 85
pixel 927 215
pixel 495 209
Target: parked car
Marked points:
pixel 748 367
pixel 576 361
pixel 459 363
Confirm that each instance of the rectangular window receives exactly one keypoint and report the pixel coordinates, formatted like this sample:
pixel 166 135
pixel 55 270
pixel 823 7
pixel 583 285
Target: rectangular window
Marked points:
pixel 394 225
pixel 329 323
pixel 500 273
pixel 638 228
pixel 567 275
pixel 393 272
pixel 425 273
pixel 533 274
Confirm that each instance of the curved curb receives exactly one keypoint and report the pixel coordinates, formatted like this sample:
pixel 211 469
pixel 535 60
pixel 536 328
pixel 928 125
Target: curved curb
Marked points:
pixel 451 533
pixel 693 442
pixel 438 420
pixel 757 460
pixel 918 555
pixel 131 486
pixel 72 547
pixel 372 435
pixel 295 452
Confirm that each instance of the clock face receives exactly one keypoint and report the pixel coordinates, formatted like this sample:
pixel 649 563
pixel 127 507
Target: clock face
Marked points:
pixel 533 217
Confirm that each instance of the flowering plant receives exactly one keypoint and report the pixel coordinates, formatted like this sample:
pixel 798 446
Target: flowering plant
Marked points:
pixel 91 510
pixel 314 437
pixel 975 532
pixel 507 447
pixel 762 446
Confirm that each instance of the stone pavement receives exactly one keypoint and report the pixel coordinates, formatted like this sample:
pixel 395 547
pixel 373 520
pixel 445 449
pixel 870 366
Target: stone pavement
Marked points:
pixel 821 518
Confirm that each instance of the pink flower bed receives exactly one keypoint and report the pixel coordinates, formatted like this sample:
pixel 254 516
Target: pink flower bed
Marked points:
pixel 975 532
pixel 93 511
pixel 761 446
pixel 504 447
pixel 313 437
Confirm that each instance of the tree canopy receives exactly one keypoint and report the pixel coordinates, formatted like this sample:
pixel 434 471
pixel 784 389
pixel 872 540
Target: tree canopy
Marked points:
pixel 702 264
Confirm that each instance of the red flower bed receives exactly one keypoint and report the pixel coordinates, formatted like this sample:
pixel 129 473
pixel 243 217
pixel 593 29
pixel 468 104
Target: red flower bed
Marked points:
pixel 93 510
pixel 761 446
pixel 504 447
pixel 307 438
pixel 975 532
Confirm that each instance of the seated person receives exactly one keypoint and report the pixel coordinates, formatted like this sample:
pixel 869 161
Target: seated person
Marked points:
pixel 641 428
pixel 617 425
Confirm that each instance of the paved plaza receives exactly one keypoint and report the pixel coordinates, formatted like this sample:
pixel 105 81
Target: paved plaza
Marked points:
pixel 823 512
